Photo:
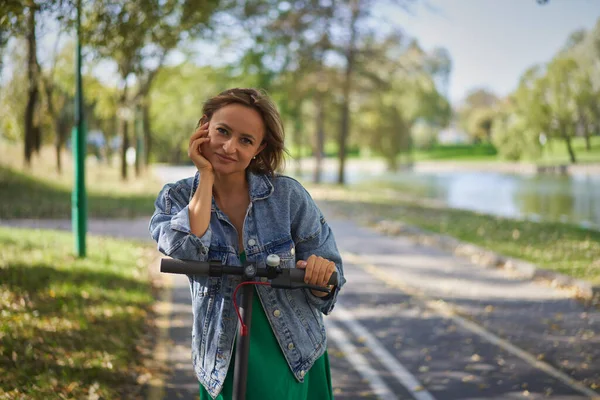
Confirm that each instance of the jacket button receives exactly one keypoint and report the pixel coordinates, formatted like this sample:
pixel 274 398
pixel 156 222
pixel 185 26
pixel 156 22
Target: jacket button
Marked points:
pixel 291 347
pixel 293 251
pixel 251 242
pixel 302 373
pixel 277 313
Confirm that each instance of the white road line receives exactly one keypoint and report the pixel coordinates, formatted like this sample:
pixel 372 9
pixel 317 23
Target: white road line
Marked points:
pixel 450 312
pixel 358 361
pixel 446 311
pixel 398 371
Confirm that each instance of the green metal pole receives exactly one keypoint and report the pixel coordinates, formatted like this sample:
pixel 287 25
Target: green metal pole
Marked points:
pixel 79 200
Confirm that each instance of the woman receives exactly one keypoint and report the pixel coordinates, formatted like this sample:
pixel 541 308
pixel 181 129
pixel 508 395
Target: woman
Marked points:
pixel 236 208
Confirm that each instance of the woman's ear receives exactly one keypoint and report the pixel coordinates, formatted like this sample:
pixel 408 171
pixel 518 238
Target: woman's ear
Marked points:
pixel 261 148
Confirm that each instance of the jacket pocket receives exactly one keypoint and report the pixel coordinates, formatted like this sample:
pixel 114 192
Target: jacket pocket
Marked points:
pixel 284 248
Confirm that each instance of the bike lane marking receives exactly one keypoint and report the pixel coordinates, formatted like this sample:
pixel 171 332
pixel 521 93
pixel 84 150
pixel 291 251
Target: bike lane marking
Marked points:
pixel 358 361
pixel 450 312
pixel 396 369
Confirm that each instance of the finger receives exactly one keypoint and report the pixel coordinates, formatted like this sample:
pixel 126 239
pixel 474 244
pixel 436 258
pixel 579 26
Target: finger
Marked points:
pixel 201 131
pixel 301 264
pixel 195 146
pixel 330 271
pixel 322 271
pixel 194 149
pixel 310 265
pixel 197 135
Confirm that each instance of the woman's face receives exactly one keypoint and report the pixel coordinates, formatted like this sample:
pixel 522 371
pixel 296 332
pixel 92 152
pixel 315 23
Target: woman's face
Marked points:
pixel 236 133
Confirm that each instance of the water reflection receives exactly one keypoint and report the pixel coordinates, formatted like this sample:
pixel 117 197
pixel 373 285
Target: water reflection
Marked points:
pixel 546 197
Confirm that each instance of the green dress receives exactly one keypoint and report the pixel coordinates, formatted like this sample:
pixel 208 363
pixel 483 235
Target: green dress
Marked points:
pixel 269 376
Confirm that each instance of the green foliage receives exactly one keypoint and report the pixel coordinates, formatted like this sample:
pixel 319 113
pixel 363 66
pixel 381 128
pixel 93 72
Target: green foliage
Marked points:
pixel 479 123
pixel 477 114
pixel 424 136
pixel 514 139
pixel 13 97
pixel 559 100
pixel 176 106
pixel 72 327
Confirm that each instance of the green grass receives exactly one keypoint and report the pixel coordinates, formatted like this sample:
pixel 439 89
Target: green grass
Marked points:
pixel 39 191
pixel 555 152
pixel 25 196
pixel 563 248
pixel 459 152
pixel 72 327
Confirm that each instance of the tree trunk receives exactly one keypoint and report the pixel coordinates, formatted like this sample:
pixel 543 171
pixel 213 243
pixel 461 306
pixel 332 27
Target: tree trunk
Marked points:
pixel 147 129
pixel 588 143
pixel 62 131
pixel 567 136
pixel 124 126
pixel 319 136
pixel 585 129
pixel 124 130
pixel 58 149
pixel 136 128
pixel 570 149
pixel 345 122
pixel 30 134
pixel 298 136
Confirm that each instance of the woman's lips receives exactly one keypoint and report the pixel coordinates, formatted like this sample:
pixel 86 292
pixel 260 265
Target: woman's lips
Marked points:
pixel 224 158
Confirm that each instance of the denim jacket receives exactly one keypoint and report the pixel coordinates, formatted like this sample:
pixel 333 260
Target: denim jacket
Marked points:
pixel 281 219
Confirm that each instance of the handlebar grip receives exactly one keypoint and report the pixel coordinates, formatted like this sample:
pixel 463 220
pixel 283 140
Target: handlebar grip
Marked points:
pixel 297 275
pixel 173 266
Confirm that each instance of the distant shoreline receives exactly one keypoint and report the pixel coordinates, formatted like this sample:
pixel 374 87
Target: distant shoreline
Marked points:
pixel 379 166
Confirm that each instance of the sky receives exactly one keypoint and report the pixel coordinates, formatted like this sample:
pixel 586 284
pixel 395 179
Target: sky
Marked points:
pixel 492 42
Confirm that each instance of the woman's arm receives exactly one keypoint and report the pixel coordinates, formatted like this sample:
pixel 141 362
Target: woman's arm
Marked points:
pixel 313 236
pixel 200 206
pixel 170 224
pixel 180 225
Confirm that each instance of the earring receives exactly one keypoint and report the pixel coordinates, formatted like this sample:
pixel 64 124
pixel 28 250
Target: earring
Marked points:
pixel 254 158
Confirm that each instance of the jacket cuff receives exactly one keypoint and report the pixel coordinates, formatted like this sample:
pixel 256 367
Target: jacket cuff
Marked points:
pixel 181 222
pixel 325 304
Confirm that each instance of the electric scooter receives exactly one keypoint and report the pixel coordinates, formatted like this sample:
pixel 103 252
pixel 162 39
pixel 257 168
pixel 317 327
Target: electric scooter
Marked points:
pixel 276 277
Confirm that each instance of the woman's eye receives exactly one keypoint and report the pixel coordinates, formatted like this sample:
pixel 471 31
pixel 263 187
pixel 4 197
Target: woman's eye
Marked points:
pixel 246 141
pixel 222 131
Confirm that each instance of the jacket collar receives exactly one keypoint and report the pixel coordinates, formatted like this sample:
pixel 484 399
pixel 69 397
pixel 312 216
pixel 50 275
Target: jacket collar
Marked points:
pixel 261 185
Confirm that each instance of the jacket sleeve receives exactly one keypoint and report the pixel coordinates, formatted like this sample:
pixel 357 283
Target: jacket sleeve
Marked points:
pixel 312 235
pixel 170 225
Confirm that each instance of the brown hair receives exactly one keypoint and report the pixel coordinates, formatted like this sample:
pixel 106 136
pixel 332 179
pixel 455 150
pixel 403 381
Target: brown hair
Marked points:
pixel 271 157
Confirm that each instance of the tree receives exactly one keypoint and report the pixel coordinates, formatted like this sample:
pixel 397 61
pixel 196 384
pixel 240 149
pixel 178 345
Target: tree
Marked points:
pixel 138 36
pixel 292 43
pixel 13 99
pixel 19 20
pixel 559 93
pixel 397 92
pixel 477 113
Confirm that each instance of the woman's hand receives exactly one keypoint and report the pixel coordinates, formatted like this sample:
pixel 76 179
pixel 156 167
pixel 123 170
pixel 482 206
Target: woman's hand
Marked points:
pixel 198 139
pixel 318 272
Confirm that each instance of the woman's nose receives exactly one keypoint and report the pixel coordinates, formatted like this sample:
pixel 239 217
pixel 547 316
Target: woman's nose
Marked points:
pixel 229 146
